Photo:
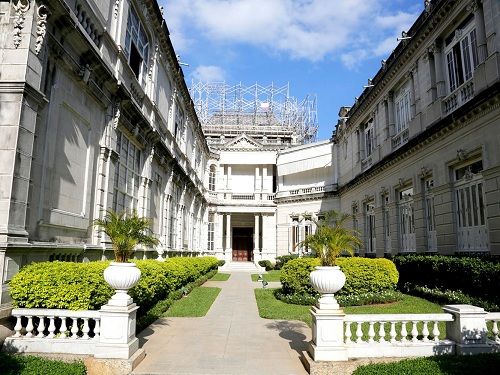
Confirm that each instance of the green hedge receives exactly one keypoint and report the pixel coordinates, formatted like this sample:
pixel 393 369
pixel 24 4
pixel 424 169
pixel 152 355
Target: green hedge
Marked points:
pixel 472 276
pixel 30 365
pixel 363 276
pixel 81 286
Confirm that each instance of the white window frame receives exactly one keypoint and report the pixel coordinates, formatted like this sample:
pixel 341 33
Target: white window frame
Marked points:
pixel 461 56
pixel 211 232
pixel 127 175
pixel 387 224
pixel 211 177
pixel 402 107
pixel 370 231
pixel 407 240
pixel 430 221
pixel 369 138
pixel 136 34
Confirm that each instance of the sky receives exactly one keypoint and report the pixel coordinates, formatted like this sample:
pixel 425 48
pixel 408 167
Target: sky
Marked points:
pixel 327 48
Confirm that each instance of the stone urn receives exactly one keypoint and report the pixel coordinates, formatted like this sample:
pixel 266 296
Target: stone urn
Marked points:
pixel 121 277
pixel 327 280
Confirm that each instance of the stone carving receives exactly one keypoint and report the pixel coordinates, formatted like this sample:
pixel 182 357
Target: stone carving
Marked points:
pixel 116 8
pixel 116 117
pixel 21 9
pixel 41 27
pixel 424 172
pixel 461 154
pixel 427 6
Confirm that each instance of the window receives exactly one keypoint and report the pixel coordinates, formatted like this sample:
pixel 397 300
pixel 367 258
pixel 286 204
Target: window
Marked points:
pixel 387 224
pixel 407 220
pixel 295 233
pixel 136 46
pixel 402 107
pixel 166 223
pixel 430 222
pixel 173 209
pixel 369 138
pixel 470 208
pixel 127 175
pixel 370 227
pixel 211 178
pixel 461 54
pixel 307 231
pixel 211 231
pixel 179 122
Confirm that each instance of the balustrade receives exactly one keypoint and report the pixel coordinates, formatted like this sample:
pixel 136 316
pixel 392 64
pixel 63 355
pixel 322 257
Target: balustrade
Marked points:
pixel 493 320
pixel 457 98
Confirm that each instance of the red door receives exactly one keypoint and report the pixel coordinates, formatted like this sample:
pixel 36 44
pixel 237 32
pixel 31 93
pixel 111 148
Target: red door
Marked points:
pixel 242 244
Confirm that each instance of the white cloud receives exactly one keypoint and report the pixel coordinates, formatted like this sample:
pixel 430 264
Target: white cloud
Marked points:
pixel 305 29
pixel 208 73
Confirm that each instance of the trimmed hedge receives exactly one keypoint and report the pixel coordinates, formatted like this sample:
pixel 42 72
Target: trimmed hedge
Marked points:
pixel 284 259
pixel 363 276
pixel 81 286
pixel 266 264
pixel 12 364
pixel 472 276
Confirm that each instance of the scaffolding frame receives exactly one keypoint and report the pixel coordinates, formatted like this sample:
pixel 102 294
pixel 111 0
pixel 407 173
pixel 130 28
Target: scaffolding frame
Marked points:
pixel 235 109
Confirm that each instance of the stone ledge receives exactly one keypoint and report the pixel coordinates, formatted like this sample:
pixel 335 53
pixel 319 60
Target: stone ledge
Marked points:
pixel 340 368
pixel 102 366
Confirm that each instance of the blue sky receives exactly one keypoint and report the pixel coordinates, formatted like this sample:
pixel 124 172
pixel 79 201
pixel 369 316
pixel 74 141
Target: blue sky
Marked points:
pixel 324 47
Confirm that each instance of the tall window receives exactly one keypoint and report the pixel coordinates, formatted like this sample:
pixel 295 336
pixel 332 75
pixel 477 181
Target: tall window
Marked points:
pixel 211 178
pixel 179 122
pixel 461 54
pixel 211 231
pixel 173 209
pixel 136 46
pixel 407 220
pixel 387 224
pixel 369 138
pixel 370 227
pixel 402 107
pixel 470 208
pixel 166 219
pixel 430 221
pixel 307 231
pixel 295 233
pixel 127 175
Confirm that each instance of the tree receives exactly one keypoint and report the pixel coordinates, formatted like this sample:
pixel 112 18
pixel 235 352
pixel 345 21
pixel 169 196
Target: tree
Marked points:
pixel 332 238
pixel 126 231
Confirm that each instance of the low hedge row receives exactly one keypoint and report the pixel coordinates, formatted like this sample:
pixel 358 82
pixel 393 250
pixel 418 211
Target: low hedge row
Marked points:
pixel 12 364
pixel 472 276
pixel 81 286
pixel 363 276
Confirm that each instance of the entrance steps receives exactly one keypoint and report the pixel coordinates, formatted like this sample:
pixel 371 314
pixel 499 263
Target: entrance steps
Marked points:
pixel 241 267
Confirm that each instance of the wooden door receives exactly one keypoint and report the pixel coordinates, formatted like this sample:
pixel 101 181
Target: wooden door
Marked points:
pixel 242 244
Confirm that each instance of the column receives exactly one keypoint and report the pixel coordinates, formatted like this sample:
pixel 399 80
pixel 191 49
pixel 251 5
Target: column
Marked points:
pixel 438 61
pixel 257 179
pixel 390 114
pixel 264 179
pixel 411 77
pixel 228 234
pixel 482 50
pixel 256 239
pixel 228 177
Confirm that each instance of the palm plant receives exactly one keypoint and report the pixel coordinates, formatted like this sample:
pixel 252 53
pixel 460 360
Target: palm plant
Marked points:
pixel 126 231
pixel 332 238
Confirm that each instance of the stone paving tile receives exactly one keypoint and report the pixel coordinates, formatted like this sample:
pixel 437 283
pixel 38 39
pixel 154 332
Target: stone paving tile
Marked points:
pixel 232 339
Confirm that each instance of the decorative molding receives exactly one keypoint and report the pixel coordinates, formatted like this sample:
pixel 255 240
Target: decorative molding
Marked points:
pixel 461 154
pixel 21 9
pixel 41 27
pixel 116 8
pixel 424 172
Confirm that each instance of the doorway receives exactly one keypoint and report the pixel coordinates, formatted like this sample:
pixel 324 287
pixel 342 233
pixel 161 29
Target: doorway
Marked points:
pixel 242 244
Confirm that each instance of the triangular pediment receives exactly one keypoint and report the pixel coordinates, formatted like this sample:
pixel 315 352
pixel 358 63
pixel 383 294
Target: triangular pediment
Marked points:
pixel 243 142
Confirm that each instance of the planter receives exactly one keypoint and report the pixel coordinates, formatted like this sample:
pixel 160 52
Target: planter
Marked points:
pixel 327 281
pixel 121 277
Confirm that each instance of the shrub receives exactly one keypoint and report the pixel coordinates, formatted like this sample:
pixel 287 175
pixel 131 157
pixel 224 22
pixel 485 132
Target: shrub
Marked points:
pixel 221 262
pixel 31 365
pixel 81 286
pixel 266 264
pixel 472 276
pixel 284 259
pixel 363 276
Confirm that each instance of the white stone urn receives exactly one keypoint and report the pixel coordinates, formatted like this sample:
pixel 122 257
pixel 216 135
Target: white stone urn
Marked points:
pixel 327 281
pixel 121 277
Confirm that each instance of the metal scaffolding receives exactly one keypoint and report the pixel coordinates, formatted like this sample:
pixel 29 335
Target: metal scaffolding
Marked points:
pixel 272 109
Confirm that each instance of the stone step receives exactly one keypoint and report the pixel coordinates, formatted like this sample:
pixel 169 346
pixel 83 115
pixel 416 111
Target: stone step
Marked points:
pixel 241 267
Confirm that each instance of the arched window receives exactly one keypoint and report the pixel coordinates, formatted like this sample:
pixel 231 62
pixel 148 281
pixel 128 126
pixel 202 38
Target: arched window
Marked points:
pixel 211 178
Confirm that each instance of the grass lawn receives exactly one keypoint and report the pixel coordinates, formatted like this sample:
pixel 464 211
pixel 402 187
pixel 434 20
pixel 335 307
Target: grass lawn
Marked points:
pixel 220 277
pixel 31 365
pixel 440 365
pixel 195 304
pixel 272 308
pixel 273 275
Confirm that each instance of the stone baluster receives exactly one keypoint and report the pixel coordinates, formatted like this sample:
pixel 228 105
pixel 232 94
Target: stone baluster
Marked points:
pixel 63 329
pixel 414 332
pixel 425 332
pixel 74 328
pixel 85 329
pixel 41 327
pixel 393 332
pixel 494 329
pixel 435 331
pixel 97 328
pixel 359 332
pixel 348 333
pixel 29 327
pixel 404 332
pixel 52 327
pixel 18 327
pixel 371 332
pixel 381 332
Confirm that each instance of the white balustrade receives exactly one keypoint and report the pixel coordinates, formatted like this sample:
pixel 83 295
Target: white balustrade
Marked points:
pixel 383 335
pixel 494 318
pixel 55 331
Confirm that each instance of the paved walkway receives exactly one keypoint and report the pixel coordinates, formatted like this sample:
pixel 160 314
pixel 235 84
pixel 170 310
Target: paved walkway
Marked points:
pixel 230 339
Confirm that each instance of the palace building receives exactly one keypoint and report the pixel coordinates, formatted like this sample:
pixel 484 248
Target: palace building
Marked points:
pixel 95 114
